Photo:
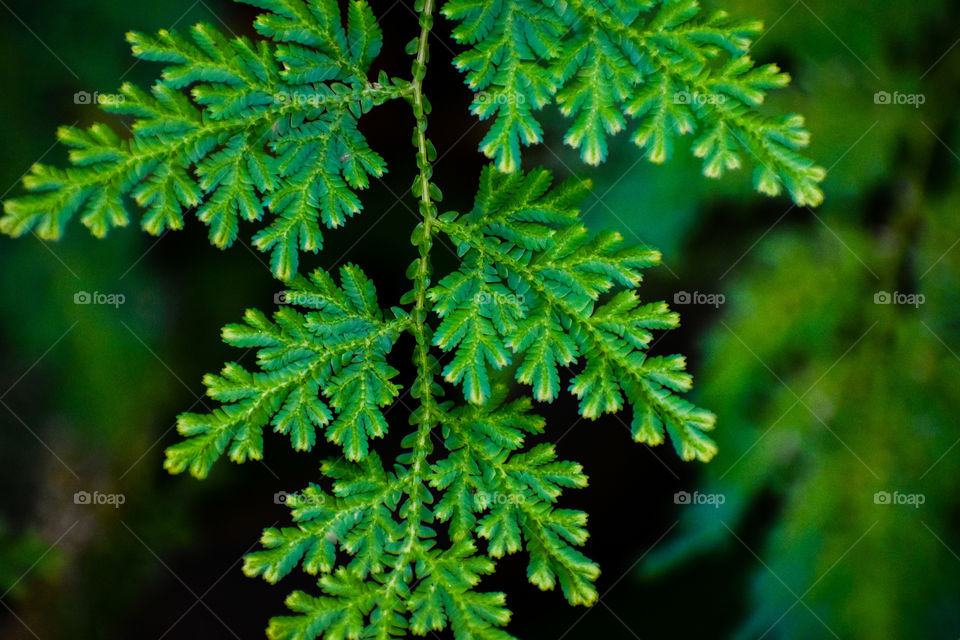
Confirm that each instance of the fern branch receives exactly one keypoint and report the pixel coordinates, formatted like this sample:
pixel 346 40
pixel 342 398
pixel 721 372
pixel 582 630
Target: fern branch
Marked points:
pixel 725 98
pixel 531 481
pixel 603 61
pixel 226 132
pixel 427 192
pixel 530 272
pixel 339 348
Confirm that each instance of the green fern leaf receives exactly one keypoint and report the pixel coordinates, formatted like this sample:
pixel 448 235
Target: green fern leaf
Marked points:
pixel 267 132
pixel 664 65
pixel 339 346
pixel 556 296
pixel 232 129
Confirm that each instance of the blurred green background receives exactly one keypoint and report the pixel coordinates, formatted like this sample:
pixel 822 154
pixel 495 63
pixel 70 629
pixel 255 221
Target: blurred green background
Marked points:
pixel 838 470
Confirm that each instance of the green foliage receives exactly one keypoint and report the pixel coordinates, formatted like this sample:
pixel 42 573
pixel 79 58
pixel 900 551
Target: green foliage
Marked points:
pixel 236 128
pixel 339 347
pixel 826 397
pixel 845 423
pixel 399 577
pixel 663 64
pixel 233 129
pixel 535 286
pixel 25 558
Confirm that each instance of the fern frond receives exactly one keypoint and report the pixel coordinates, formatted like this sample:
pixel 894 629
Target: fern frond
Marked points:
pixel 235 129
pixel 514 492
pixel 535 287
pixel 338 346
pixel 232 129
pixel 664 65
pixel 359 518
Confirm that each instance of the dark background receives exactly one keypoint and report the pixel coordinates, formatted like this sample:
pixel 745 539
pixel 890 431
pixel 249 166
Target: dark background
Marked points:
pixel 824 398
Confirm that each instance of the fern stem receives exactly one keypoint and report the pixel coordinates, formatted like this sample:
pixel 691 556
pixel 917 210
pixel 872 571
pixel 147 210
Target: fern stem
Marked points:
pixel 423 238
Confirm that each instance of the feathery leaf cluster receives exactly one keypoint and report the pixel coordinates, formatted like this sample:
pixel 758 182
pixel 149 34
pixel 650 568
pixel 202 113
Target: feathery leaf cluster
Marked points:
pixel 535 290
pixel 268 131
pixel 234 130
pixel 661 63
pixel 536 287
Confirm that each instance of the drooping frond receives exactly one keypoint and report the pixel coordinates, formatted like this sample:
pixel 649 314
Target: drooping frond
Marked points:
pixel 232 130
pixel 661 68
pixel 537 290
